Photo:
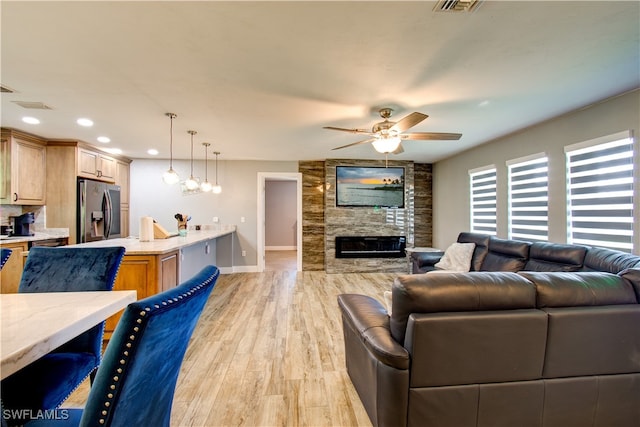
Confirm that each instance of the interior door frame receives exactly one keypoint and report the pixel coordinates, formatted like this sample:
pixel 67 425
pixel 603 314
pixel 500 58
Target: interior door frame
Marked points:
pixel 263 177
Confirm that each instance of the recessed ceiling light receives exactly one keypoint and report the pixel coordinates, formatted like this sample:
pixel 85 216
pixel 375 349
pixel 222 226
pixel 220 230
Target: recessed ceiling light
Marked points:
pixel 484 103
pixel 113 150
pixel 104 139
pixel 85 122
pixel 31 120
pixel 153 151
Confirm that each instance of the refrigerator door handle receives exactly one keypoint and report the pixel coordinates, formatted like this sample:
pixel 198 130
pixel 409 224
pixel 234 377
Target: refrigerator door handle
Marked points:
pixel 83 213
pixel 108 213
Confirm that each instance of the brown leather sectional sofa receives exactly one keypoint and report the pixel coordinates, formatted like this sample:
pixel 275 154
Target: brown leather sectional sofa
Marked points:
pixel 528 348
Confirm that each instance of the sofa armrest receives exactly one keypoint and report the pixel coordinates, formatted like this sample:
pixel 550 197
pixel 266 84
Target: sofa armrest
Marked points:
pixel 369 319
pixel 421 262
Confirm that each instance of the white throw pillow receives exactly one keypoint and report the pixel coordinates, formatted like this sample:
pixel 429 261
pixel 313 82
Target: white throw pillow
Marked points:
pixel 457 257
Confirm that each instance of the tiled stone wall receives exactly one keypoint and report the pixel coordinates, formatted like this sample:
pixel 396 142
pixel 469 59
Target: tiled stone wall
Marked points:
pixel 322 221
pixel 365 222
pixel 313 223
pixel 423 193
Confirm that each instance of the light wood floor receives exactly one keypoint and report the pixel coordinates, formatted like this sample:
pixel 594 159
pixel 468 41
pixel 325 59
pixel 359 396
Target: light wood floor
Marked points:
pixel 268 351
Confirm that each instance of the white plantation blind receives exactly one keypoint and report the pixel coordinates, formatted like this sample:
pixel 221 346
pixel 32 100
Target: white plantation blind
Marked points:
pixel 529 198
pixel 483 200
pixel 600 192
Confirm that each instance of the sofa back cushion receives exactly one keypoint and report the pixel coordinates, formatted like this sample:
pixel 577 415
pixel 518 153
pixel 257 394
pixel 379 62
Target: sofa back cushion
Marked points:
pixel 555 257
pixel 609 260
pixel 476 347
pixel 451 292
pixel 482 247
pixel 580 289
pixel 505 255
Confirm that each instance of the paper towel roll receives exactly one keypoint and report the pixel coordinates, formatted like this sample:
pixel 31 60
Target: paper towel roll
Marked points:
pixel 146 229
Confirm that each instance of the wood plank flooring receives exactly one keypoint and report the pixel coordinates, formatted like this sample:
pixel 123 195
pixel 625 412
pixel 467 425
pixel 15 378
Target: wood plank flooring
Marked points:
pixel 268 351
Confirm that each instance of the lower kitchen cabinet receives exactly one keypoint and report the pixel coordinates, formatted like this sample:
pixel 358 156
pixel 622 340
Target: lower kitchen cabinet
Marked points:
pixel 12 270
pixel 147 275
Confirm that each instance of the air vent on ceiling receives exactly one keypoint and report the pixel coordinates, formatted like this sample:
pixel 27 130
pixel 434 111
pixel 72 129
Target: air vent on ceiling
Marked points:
pixel 457 5
pixel 33 105
pixel 6 89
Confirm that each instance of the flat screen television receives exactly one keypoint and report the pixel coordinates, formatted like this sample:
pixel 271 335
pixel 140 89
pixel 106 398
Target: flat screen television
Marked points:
pixel 369 186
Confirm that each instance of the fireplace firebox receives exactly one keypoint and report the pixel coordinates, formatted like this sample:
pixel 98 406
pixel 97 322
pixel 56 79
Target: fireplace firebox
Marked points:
pixel 370 246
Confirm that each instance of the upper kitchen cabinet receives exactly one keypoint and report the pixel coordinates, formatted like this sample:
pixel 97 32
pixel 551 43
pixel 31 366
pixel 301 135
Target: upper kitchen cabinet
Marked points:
pixel 23 165
pixel 95 165
pixel 68 160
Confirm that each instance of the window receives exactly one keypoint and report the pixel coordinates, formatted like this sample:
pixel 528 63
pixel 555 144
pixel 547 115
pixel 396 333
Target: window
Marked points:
pixel 483 200
pixel 529 198
pixel 600 192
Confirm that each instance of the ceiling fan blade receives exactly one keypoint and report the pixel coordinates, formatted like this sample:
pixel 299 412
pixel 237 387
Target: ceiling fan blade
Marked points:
pixel 409 121
pixel 399 150
pixel 431 136
pixel 355 143
pixel 347 130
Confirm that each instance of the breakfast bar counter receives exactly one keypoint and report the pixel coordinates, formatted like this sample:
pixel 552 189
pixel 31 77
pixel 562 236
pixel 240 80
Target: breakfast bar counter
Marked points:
pixel 134 246
pixel 155 266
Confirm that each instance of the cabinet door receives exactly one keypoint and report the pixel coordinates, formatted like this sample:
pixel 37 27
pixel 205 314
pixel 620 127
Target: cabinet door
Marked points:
pixel 23 173
pixel 12 270
pixel 106 168
pixel 87 164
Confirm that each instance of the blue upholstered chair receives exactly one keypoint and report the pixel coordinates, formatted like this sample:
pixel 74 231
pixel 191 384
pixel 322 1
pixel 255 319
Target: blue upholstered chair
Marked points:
pixel 136 381
pixel 47 382
pixel 5 253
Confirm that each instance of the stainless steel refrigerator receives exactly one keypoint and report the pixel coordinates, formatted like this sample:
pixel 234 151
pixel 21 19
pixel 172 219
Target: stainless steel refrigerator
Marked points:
pixel 98 211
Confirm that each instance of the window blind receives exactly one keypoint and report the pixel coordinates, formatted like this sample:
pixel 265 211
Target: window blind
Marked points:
pixel 483 200
pixel 600 186
pixel 529 198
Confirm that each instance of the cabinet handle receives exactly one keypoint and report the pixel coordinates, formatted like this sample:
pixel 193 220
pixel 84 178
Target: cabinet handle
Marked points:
pixel 99 174
pixel 15 197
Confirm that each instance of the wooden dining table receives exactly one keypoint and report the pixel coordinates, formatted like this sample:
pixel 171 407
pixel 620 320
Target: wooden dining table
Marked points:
pixel 33 324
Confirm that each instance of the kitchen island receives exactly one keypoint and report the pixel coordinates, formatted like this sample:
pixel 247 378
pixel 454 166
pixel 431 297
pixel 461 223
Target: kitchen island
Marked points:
pixel 158 265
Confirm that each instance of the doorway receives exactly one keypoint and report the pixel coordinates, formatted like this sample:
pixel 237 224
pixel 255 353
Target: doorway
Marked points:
pixel 279 260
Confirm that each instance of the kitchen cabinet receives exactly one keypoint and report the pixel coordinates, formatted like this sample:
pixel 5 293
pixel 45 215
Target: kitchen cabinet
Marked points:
pixel 12 269
pixel 95 165
pixel 23 163
pixel 66 159
pixel 122 179
pixel 147 275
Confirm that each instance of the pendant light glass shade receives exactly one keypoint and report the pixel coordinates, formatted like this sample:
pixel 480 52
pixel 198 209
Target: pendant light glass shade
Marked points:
pixel 192 183
pixel 171 176
pixel 205 185
pixel 216 188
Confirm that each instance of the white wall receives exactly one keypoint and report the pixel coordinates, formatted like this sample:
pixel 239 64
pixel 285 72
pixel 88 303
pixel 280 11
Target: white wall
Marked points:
pixel 280 215
pixel 151 196
pixel 451 180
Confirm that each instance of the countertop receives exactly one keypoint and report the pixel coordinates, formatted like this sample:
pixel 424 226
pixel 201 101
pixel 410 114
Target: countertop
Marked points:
pixel 133 246
pixel 47 233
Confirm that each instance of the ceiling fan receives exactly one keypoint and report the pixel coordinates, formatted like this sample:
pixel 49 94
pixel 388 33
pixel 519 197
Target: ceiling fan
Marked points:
pixel 385 136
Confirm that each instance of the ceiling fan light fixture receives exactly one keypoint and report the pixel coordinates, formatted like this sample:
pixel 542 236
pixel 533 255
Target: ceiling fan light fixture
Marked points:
pixel 170 176
pixel 386 145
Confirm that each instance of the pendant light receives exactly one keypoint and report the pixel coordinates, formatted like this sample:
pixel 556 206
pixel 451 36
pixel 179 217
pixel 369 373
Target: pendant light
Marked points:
pixel 191 183
pixel 205 185
pixel 171 176
pixel 216 188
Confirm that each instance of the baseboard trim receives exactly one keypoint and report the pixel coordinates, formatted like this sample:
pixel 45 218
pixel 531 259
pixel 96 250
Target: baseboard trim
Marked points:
pixel 280 248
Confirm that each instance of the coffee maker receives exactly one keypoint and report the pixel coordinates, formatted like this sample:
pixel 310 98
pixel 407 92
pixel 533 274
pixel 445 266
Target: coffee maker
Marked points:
pixel 22 224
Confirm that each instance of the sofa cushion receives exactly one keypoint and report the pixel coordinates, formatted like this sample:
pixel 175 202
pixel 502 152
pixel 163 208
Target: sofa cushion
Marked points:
pixel 609 260
pixel 580 289
pixel 505 255
pixel 545 256
pixel 431 293
pixel 482 246
pixel 457 257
